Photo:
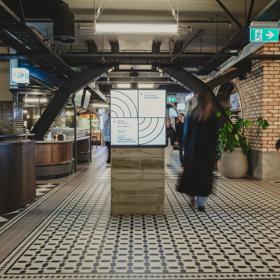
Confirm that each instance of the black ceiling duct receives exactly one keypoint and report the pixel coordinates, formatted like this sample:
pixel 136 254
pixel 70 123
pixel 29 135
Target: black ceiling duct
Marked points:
pixel 56 10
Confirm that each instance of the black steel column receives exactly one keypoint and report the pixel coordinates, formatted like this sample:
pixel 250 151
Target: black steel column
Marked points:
pixel 61 97
pixel 75 134
pixel 90 135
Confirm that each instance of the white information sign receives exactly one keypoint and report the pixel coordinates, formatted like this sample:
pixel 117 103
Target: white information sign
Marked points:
pixel 152 103
pixel 124 131
pixel 138 117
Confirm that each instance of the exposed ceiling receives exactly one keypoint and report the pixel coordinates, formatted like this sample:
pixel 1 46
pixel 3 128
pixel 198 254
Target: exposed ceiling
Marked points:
pixel 206 15
pixel 212 31
pixel 215 29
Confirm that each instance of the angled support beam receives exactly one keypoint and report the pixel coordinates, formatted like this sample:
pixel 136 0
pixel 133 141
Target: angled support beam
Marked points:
pixel 230 14
pixel 251 8
pixel 225 78
pixel 187 43
pixel 246 51
pixel 45 78
pixel 56 104
pixel 193 83
pixel 9 12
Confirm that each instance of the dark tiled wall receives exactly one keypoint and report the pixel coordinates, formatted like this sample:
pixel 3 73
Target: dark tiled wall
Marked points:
pixel 11 120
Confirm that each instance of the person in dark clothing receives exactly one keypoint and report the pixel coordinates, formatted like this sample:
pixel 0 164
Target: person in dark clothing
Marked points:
pixel 107 136
pixel 170 141
pixel 277 145
pixel 180 132
pixel 185 128
pixel 200 150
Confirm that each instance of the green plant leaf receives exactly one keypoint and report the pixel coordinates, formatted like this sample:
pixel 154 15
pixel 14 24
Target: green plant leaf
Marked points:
pixel 232 135
pixel 262 123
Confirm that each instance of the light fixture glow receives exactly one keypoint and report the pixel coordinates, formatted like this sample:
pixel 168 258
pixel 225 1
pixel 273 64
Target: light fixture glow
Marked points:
pixel 100 105
pixel 136 28
pixel 123 85
pixel 36 100
pixel 145 86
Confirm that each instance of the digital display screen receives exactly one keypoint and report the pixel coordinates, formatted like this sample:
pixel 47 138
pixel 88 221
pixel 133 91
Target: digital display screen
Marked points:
pixel 138 117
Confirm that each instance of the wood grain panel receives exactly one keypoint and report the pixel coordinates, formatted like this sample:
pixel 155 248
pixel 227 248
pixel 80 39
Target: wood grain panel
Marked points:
pixel 137 181
pixel 17 174
pixel 54 153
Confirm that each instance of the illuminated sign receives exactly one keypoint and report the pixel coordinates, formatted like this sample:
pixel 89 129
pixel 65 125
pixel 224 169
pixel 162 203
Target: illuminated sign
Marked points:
pixel 20 76
pixel 171 99
pixel 264 35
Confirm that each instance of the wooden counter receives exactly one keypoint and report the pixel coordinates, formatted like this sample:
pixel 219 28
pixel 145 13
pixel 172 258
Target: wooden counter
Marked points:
pixel 53 159
pixel 17 174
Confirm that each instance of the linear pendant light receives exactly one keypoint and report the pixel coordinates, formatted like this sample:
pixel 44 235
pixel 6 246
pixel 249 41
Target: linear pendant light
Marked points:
pixel 136 28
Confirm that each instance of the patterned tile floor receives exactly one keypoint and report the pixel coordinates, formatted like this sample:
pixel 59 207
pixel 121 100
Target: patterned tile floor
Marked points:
pixel 41 190
pixel 237 238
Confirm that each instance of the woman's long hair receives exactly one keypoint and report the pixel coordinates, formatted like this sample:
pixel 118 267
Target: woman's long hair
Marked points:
pixel 205 107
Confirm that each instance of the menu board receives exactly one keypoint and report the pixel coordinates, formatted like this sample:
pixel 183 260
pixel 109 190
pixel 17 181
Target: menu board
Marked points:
pixel 138 117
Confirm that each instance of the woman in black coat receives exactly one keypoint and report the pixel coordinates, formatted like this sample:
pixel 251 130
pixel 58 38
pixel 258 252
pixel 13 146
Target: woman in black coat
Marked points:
pixel 200 149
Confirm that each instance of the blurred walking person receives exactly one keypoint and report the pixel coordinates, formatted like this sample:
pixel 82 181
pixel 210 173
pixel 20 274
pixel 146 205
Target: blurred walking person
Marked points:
pixel 107 136
pixel 200 150
pixel 179 131
pixel 170 141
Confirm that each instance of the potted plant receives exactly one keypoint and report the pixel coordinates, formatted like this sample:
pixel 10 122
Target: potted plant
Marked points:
pixel 233 147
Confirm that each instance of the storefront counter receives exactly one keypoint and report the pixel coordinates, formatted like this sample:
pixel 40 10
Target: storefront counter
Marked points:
pixel 17 174
pixel 53 159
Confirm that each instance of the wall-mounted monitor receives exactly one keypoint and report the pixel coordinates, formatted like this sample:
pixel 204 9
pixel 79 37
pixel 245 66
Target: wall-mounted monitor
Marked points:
pixel 86 99
pixel 138 117
pixel 82 98
pixel 79 97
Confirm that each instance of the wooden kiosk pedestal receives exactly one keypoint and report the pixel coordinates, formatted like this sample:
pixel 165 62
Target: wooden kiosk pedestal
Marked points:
pixel 137 181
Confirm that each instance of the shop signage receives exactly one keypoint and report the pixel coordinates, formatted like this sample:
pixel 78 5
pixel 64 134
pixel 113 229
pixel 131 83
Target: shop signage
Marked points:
pixel 171 99
pixel 138 117
pixel 264 35
pixel 20 76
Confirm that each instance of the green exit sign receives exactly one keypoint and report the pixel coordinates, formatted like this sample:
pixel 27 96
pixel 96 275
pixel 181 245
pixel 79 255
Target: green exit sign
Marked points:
pixel 171 99
pixel 264 35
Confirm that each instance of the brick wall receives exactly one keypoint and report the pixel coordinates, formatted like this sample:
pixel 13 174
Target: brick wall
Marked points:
pixel 260 95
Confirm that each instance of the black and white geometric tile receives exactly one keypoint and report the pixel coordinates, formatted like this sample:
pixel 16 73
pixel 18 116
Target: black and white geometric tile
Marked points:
pixel 41 190
pixel 237 238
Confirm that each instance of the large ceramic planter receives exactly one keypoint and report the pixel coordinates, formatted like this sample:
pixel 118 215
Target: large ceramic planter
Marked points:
pixel 234 164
